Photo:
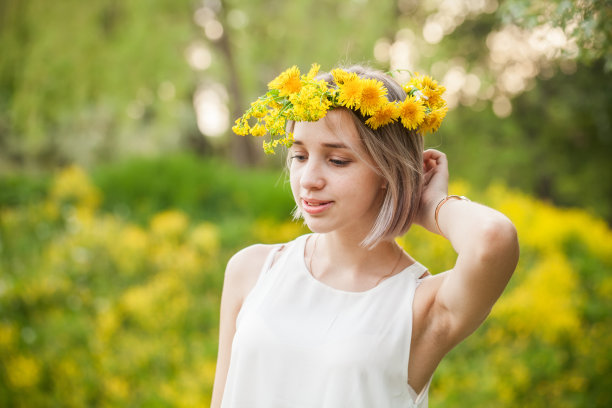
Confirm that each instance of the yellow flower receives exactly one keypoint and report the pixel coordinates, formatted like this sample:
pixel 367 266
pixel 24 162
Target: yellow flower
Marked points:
pixel 434 119
pixel 22 371
pixel 341 76
pixel 268 148
pixel 72 185
pixel 425 81
pixel 349 92
pixel 411 112
pixel 434 96
pixel 372 96
pixel 169 224
pixel 275 124
pixel 288 82
pixel 383 116
pixel 311 103
pixel 314 70
pixel 258 130
pixel 241 127
pixel 259 108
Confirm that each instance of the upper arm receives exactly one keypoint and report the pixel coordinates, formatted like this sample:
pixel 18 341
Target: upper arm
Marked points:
pixel 467 293
pixel 241 274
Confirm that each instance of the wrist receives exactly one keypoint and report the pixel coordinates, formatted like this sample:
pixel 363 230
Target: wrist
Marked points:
pixel 439 206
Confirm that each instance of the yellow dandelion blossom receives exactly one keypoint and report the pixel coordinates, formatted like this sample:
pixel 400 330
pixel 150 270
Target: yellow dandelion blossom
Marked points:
pixel 287 82
pixel 372 96
pixel 434 119
pixel 434 97
pixel 425 81
pixel 411 112
pixel 349 93
pixel 383 116
pixel 341 76
pixel 258 130
pixel 314 70
pixel 415 80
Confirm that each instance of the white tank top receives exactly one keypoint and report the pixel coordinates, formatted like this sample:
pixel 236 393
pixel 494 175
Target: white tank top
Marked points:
pixel 300 343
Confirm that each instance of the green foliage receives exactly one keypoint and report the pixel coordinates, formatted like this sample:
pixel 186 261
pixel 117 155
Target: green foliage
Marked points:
pixel 206 189
pixel 72 71
pixel 556 145
pixel 102 307
pixel 588 22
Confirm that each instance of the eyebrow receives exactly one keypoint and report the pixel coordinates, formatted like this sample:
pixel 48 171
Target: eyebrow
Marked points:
pixel 330 145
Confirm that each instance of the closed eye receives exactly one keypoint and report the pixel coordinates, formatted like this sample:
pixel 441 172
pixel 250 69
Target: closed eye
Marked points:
pixel 298 157
pixel 339 163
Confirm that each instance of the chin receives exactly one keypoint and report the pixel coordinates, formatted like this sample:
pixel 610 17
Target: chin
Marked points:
pixel 317 226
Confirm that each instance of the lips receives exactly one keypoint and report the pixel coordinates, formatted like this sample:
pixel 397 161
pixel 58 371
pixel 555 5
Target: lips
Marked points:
pixel 312 206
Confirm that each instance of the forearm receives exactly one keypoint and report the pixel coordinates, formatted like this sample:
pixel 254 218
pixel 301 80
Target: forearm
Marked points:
pixel 473 228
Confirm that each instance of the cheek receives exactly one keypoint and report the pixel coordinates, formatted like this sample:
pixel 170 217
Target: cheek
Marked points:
pixel 294 182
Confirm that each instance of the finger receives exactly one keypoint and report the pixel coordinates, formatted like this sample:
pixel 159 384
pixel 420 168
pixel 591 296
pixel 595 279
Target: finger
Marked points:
pixel 432 154
pixel 429 165
pixel 428 177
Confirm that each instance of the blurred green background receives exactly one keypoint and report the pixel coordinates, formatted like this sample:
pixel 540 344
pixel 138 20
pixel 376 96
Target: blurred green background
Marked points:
pixel 123 192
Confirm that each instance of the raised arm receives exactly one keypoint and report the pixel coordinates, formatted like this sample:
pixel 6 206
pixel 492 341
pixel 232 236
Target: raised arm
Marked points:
pixel 487 247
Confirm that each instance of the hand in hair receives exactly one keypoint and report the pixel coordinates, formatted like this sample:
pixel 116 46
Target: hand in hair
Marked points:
pixel 435 187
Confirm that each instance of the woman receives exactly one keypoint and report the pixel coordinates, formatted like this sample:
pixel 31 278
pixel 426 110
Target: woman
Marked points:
pixel 344 317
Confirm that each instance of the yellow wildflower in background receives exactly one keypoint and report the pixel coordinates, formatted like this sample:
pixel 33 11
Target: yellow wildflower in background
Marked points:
pixel 73 185
pixel 205 237
pixel 546 303
pixel 22 371
pixel 116 387
pixel 169 224
pixel 8 335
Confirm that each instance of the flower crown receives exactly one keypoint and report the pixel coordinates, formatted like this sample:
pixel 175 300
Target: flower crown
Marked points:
pixel 297 97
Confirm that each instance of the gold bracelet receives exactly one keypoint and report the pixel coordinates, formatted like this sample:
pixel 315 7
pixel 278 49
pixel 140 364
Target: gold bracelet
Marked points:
pixel 441 203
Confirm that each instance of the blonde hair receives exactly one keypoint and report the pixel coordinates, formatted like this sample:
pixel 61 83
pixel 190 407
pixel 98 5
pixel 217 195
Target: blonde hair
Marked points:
pixel 397 154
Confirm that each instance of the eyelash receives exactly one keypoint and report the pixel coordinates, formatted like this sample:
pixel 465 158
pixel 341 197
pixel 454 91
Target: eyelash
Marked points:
pixel 339 163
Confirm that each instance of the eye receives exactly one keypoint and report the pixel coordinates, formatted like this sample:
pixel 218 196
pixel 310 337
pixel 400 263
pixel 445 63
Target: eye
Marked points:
pixel 339 162
pixel 298 157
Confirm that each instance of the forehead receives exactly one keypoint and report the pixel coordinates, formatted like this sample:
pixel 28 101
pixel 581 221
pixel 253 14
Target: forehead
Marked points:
pixel 336 128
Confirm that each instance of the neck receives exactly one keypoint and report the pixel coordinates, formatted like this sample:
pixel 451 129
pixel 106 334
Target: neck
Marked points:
pixel 345 253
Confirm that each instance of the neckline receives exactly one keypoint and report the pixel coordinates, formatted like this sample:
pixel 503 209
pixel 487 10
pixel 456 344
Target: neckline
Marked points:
pixel 306 271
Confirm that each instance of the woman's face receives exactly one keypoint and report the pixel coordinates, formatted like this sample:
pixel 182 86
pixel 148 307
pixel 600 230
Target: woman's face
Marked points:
pixel 334 188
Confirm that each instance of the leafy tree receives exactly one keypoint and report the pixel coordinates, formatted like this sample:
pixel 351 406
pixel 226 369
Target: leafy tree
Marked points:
pixel 588 22
pixel 79 78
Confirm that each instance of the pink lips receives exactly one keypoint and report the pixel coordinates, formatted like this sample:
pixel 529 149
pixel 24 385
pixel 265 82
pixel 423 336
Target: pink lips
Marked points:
pixel 313 207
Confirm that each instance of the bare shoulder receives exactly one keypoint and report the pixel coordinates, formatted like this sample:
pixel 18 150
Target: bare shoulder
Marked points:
pixel 244 268
pixel 251 257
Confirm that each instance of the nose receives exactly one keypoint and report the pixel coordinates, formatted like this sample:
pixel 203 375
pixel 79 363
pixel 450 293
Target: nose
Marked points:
pixel 312 177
